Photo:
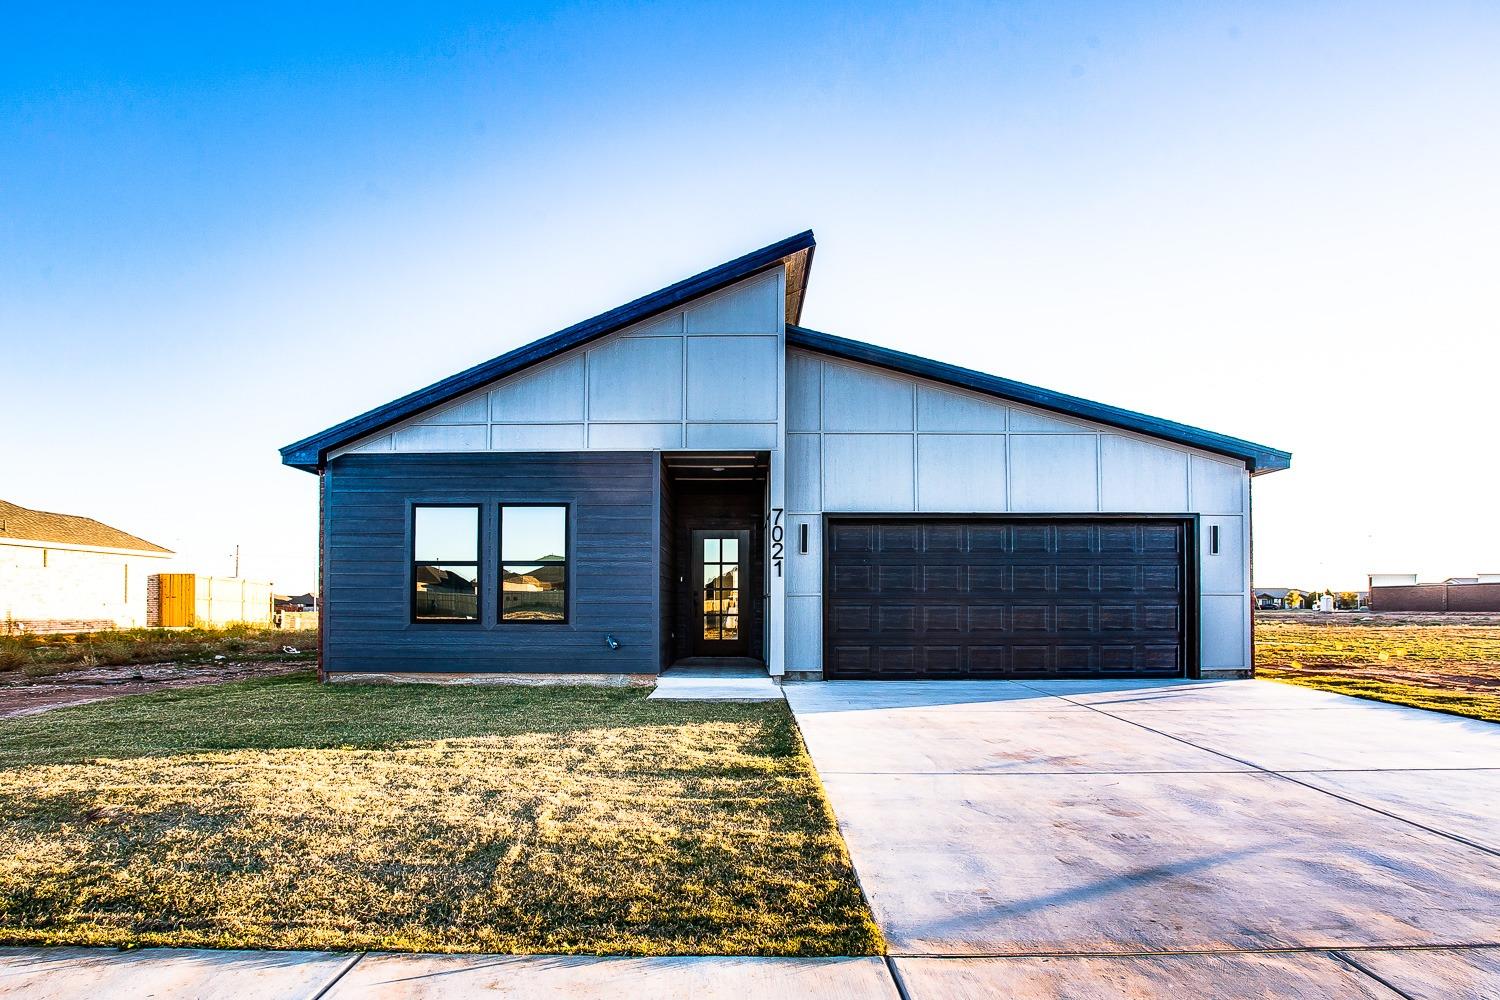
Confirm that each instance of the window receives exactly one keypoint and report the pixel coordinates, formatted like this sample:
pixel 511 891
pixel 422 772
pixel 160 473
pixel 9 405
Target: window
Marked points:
pixel 445 563
pixel 534 563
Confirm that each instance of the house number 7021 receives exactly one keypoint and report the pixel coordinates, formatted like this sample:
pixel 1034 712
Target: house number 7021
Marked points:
pixel 778 549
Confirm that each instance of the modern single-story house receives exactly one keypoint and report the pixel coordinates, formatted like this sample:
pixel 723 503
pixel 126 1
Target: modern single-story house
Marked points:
pixel 68 573
pixel 696 475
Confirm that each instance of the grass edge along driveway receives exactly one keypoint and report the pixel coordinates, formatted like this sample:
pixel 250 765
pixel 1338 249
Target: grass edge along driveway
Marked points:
pixel 281 813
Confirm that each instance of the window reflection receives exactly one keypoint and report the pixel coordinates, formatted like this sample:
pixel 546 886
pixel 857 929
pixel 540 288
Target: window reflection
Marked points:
pixel 445 563
pixel 447 593
pixel 533 593
pixel 721 589
pixel 534 558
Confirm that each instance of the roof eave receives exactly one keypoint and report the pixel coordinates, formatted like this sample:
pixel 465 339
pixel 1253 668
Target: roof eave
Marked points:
pixel 1258 458
pixel 310 453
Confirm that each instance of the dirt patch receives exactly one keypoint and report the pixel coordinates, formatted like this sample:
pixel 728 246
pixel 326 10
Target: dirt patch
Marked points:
pixel 1451 676
pixel 1448 663
pixel 21 695
pixel 1376 619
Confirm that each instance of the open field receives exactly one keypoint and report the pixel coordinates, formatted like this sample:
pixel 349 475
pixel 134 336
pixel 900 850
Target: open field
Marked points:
pixel 43 655
pixel 1448 663
pixel 283 814
pixel 42 672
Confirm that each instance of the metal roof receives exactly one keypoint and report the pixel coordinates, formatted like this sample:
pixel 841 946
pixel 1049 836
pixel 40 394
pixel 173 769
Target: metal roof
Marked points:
pixel 1257 457
pixel 795 251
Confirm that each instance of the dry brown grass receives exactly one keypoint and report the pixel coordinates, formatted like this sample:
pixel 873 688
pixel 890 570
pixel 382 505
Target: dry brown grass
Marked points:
pixel 1446 665
pixel 284 814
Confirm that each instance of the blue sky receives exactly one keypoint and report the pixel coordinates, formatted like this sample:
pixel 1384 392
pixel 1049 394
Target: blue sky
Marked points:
pixel 221 231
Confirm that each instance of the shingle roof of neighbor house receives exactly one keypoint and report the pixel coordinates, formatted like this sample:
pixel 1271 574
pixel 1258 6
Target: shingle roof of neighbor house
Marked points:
pixel 796 252
pixel 23 523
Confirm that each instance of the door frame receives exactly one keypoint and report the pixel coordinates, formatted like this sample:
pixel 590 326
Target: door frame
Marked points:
pixel 1192 596
pixel 720 647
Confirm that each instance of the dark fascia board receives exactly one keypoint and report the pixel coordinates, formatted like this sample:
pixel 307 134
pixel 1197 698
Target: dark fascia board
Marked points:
pixel 310 452
pixel 1257 457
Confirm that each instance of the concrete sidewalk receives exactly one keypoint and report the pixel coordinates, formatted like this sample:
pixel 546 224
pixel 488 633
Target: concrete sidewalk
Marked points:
pixel 172 974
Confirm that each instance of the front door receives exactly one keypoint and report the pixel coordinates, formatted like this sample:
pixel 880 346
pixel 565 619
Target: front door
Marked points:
pixel 718 574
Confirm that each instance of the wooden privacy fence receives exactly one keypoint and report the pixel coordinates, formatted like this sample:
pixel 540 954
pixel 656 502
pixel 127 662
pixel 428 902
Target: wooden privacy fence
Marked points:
pixel 184 600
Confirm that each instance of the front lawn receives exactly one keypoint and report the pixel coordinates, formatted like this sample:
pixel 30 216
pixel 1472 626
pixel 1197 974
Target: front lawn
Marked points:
pixel 285 814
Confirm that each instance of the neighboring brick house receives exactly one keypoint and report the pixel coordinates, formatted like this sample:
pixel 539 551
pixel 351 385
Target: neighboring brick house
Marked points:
pixel 62 572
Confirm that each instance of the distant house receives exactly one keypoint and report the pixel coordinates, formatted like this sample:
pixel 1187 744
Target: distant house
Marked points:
pixel 297 602
pixel 63 572
pixel 1271 598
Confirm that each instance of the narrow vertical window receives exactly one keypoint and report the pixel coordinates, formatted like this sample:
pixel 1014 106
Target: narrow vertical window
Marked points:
pixel 445 563
pixel 534 563
pixel 126 568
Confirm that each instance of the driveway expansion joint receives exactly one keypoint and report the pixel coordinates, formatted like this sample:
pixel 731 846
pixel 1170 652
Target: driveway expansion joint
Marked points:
pixel 1287 776
pixel 891 967
pixel 1362 970
pixel 343 971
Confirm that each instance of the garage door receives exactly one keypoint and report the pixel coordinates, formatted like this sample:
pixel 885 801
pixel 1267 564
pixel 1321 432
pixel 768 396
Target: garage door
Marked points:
pixel 909 598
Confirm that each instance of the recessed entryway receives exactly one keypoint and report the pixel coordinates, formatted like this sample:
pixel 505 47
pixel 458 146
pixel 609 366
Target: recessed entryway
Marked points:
pixel 712 596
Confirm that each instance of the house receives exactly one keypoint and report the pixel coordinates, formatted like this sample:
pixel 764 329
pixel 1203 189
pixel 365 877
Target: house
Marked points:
pixel 295 602
pixel 695 474
pixel 67 573
pixel 1272 598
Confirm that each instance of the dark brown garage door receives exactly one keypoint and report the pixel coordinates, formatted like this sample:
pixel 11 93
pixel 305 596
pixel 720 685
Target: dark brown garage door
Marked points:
pixel 907 598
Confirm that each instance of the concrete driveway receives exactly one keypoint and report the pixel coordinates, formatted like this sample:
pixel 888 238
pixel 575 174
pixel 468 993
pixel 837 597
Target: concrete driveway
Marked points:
pixel 1104 839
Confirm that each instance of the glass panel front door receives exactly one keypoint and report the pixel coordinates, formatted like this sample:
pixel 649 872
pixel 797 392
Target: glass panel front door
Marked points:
pixel 721 588
pixel 718 579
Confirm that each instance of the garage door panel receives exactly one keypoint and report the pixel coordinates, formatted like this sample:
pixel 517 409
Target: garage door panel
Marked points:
pixel 1076 618
pixel 938 618
pixel 852 579
pixel 852 619
pixel 1031 538
pixel 898 579
pixel 989 580
pixel 987 538
pixel 1077 578
pixel 851 538
pixel 943 538
pixel 1161 578
pixel 988 618
pixel 942 579
pixel 989 598
pixel 894 619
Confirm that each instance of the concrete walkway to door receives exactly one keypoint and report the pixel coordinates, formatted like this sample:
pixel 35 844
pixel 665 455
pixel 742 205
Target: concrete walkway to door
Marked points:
pixel 1206 839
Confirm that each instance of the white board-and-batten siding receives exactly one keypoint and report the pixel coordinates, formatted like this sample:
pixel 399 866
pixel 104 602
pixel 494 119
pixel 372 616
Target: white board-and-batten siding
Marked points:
pixel 861 439
pixel 702 377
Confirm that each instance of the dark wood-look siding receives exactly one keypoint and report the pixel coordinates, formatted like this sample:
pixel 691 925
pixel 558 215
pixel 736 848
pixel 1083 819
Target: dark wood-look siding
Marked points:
pixel 705 507
pixel 613 581
pixel 667 546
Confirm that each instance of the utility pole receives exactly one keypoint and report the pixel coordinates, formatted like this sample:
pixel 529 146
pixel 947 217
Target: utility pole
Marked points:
pixel 236 562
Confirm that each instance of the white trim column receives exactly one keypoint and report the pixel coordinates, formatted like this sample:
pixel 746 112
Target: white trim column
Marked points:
pixel 775 563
